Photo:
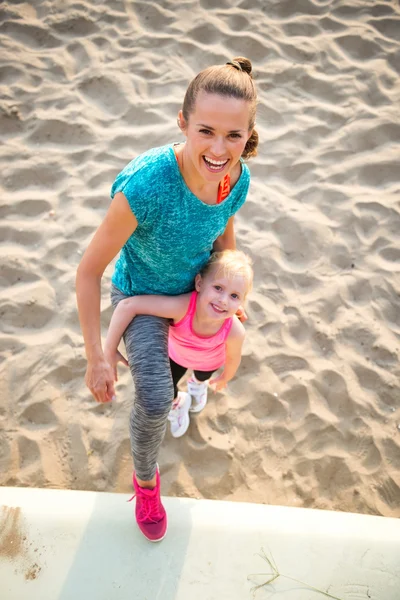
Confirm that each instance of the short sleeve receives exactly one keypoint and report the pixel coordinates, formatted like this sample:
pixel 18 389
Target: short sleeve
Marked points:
pixel 241 195
pixel 130 183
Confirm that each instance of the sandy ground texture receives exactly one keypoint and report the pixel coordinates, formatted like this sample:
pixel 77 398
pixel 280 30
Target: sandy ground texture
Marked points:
pixel 313 419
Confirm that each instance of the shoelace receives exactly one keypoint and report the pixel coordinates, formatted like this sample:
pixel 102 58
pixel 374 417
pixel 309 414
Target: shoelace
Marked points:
pixel 176 417
pixel 148 509
pixel 173 415
pixel 175 412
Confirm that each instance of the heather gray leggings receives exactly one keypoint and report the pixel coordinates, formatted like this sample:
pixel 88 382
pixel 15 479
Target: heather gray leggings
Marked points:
pixel 146 342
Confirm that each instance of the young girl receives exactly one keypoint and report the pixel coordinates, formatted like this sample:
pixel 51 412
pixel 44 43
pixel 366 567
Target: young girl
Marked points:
pixel 204 335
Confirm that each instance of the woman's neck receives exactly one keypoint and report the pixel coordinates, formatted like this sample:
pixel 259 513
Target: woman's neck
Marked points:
pixel 204 190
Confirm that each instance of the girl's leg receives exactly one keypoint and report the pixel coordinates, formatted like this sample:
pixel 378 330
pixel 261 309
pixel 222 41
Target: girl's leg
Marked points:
pixel 203 375
pixel 179 413
pixel 177 372
pixel 197 388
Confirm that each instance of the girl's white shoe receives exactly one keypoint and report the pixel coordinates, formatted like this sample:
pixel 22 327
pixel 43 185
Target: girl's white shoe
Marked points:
pixel 198 392
pixel 179 414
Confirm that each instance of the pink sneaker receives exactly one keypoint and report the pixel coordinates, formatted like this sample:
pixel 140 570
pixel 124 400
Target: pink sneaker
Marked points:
pixel 149 511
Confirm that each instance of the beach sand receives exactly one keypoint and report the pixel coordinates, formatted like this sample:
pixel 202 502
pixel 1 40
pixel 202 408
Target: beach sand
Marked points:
pixel 313 417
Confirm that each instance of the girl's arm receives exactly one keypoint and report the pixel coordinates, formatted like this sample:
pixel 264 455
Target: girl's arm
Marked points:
pixel 234 345
pixel 117 226
pixel 169 307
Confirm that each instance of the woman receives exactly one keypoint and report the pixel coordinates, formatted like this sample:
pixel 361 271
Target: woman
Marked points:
pixel 171 206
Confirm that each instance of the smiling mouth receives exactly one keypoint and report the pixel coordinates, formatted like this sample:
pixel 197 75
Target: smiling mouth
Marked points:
pixel 220 311
pixel 216 166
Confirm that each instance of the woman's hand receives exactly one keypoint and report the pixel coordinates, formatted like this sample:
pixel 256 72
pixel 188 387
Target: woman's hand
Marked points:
pixel 100 380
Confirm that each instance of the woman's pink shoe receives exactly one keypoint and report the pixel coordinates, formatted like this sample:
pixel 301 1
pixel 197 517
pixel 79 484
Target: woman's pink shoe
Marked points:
pixel 149 511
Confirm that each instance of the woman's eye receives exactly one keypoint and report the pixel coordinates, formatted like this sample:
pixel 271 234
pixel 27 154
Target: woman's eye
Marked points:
pixel 206 131
pixel 236 136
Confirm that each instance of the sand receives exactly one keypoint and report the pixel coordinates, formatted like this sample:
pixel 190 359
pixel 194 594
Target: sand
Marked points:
pixel 313 417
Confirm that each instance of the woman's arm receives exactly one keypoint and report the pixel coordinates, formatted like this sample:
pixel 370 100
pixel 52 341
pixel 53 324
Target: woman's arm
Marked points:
pixel 234 344
pixel 169 307
pixel 227 240
pixel 116 228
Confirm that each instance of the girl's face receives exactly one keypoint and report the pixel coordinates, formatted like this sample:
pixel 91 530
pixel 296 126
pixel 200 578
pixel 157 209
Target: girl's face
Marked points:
pixel 220 295
pixel 216 132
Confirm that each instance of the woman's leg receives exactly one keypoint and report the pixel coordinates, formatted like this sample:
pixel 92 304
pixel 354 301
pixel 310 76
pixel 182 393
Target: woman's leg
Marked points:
pixel 146 342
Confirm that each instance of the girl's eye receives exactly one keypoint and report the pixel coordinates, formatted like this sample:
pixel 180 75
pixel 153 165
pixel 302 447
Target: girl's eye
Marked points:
pixel 235 296
pixel 217 287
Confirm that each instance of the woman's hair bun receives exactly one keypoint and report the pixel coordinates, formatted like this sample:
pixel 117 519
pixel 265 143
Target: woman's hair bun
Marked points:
pixel 244 63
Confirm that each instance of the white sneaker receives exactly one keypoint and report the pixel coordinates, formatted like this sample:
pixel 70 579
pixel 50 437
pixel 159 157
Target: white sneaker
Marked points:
pixel 179 414
pixel 198 392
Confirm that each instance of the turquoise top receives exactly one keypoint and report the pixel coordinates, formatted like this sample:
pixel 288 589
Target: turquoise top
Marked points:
pixel 176 230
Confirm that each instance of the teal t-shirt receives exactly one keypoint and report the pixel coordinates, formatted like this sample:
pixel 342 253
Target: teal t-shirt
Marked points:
pixel 175 231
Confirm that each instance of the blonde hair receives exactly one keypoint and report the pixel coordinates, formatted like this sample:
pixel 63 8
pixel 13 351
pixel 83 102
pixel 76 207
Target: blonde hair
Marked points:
pixel 230 263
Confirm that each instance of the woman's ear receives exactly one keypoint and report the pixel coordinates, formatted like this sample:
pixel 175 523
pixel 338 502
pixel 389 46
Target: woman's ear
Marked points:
pixel 181 122
pixel 197 282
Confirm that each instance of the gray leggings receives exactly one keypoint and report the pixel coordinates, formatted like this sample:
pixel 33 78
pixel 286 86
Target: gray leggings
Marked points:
pixel 146 342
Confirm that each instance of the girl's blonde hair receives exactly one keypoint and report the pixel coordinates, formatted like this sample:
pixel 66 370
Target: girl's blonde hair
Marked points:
pixel 230 263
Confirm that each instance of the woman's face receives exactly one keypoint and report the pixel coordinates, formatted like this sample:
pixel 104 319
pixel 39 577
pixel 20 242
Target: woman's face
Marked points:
pixel 216 134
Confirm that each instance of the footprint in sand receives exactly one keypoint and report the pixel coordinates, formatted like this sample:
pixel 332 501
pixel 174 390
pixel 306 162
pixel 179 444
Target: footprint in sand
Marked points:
pixel 29 305
pixel 391 449
pixel 363 447
pixel 26 208
pixel 298 401
pixel 22 236
pixel 104 92
pixel 28 452
pixel 333 389
pixel 29 35
pixel 75 27
pixel 16 269
pixel 38 416
pixel 389 491
pixel 54 131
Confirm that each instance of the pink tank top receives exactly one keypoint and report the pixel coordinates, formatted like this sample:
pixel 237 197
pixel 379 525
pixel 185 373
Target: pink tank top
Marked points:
pixel 193 351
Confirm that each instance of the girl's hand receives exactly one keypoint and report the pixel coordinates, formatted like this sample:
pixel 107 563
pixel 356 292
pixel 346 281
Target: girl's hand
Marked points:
pixel 241 315
pixel 113 358
pixel 100 380
pixel 219 383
